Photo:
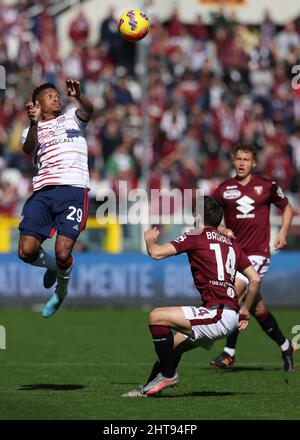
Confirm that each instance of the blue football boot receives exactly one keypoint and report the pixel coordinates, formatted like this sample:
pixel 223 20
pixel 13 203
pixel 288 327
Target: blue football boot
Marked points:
pixel 52 306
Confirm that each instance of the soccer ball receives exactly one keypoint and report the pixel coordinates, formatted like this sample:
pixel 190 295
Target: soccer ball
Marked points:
pixel 133 25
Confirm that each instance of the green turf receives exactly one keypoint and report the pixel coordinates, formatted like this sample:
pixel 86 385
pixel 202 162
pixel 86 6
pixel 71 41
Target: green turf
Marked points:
pixel 78 363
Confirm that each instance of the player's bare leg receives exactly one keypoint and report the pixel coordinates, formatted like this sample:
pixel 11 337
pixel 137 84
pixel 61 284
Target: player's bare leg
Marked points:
pixel 30 251
pixel 226 358
pixel 64 262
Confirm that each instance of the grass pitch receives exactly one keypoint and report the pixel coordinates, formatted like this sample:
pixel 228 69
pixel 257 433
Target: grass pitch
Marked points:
pixel 78 363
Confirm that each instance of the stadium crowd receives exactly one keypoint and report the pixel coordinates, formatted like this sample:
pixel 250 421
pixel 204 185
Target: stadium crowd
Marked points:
pixel 210 86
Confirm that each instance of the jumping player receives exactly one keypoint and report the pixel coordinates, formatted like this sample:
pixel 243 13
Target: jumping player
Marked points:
pixel 246 201
pixel 59 201
pixel 214 259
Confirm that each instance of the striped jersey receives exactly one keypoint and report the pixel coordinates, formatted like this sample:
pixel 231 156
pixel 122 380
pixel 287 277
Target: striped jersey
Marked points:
pixel 62 154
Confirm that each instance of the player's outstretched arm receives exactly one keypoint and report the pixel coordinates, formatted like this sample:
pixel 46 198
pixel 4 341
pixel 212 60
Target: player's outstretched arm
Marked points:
pixel 86 108
pixel 253 287
pixel 157 251
pixel 31 142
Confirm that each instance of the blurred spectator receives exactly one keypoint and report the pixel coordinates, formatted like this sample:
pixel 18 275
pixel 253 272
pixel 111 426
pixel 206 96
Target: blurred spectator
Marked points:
pixel 278 166
pixel 121 167
pixel 175 26
pixel 173 123
pixel 199 30
pixel 294 141
pixel 9 182
pixel 267 29
pixel 122 93
pixel 79 29
pixel 286 39
pixel 110 37
pixel 209 86
pixel 111 137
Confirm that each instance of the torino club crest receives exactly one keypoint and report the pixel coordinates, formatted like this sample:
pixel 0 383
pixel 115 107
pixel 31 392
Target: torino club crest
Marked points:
pixel 258 190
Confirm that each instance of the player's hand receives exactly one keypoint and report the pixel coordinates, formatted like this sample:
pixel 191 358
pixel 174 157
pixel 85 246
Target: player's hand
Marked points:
pixel 280 241
pixel 73 88
pixel 33 111
pixel 243 319
pixel 151 234
pixel 226 231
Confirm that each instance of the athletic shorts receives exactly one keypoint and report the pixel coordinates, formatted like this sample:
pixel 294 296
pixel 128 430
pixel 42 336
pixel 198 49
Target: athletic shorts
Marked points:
pixel 261 265
pixel 61 208
pixel 210 324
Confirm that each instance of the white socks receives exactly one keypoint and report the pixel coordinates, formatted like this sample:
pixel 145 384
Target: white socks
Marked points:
pixel 230 351
pixel 45 260
pixel 285 345
pixel 63 278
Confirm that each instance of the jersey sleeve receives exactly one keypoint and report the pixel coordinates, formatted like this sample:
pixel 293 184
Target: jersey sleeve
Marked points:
pixel 82 125
pixel 24 135
pixel 217 195
pixel 184 243
pixel 278 197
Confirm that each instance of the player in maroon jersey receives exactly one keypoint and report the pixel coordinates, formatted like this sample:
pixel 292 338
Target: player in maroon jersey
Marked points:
pixel 246 201
pixel 214 260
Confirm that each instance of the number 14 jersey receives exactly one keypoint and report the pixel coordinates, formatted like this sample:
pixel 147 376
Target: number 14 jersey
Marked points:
pixel 214 260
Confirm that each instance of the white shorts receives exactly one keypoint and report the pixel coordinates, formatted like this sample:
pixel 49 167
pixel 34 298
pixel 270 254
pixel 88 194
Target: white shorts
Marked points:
pixel 261 265
pixel 210 324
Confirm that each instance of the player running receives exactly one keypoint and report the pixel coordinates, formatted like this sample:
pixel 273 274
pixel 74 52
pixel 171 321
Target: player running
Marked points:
pixel 246 201
pixel 59 201
pixel 214 259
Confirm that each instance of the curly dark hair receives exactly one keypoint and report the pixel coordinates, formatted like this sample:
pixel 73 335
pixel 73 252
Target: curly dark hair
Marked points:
pixel 38 89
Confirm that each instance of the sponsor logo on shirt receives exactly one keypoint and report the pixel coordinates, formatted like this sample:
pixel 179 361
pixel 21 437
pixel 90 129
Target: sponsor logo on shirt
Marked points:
pixel 59 141
pixel 258 190
pixel 231 186
pixel 280 192
pixel 245 206
pixel 230 292
pixel 60 119
pixel 232 194
pixel 219 283
pixel 181 238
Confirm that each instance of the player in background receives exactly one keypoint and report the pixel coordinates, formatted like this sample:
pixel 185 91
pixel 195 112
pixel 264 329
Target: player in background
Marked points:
pixel 59 201
pixel 214 259
pixel 246 201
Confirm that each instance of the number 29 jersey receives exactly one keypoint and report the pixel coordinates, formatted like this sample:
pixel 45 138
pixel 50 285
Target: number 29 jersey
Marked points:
pixel 214 260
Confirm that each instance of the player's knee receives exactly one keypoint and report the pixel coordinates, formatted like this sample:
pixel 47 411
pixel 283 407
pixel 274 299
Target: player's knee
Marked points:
pixel 260 309
pixel 62 256
pixel 155 316
pixel 27 253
